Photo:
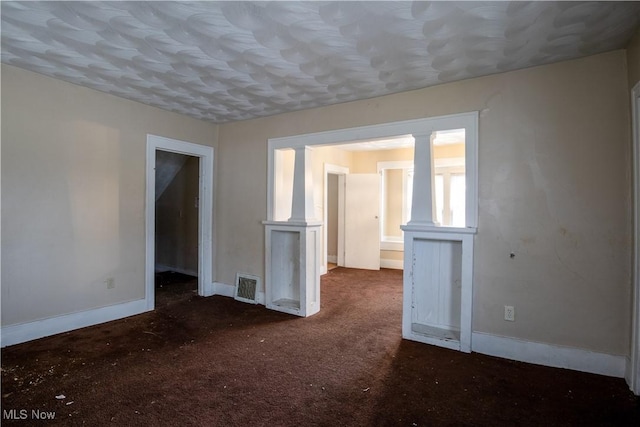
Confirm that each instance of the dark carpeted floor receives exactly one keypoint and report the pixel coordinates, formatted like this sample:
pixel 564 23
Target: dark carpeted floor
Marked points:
pixel 217 362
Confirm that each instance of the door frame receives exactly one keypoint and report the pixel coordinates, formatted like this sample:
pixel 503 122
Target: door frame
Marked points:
pixel 633 365
pixel 341 171
pixel 205 211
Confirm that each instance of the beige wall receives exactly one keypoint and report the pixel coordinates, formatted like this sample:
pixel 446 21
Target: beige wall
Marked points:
pixel 177 221
pixel 633 60
pixel 553 189
pixel 73 191
pixel 321 157
pixel 448 151
pixel 367 161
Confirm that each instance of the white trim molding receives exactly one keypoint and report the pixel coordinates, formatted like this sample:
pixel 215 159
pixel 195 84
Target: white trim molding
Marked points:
pixel 468 121
pixel 395 264
pixel 340 171
pixel 632 374
pixel 549 354
pixel 205 211
pixel 223 289
pixel 23 332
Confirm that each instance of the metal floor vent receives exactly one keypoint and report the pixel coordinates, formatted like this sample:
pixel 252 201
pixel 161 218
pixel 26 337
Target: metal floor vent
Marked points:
pixel 247 288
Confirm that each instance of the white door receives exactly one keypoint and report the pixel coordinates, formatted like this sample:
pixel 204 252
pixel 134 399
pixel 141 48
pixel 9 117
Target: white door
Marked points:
pixel 362 223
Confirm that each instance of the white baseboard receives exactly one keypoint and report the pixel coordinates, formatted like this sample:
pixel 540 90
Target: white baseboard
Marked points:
pixel 23 332
pixel 628 376
pixel 209 290
pixel 332 258
pixel 224 289
pixel 396 264
pixel 549 355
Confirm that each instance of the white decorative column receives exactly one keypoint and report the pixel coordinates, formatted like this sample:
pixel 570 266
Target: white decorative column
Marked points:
pixel 292 248
pixel 438 266
pixel 302 200
pixel 422 207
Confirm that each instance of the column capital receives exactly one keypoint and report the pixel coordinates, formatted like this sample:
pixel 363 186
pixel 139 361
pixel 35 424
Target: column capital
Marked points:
pixel 422 136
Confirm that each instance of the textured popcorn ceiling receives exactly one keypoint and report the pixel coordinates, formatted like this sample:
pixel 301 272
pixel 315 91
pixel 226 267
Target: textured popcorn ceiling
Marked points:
pixel 227 61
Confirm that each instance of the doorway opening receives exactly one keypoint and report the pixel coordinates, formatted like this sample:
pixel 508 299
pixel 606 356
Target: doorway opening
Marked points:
pixel 363 204
pixel 176 230
pixel 333 254
pixel 368 207
pixel 179 209
pixel 439 200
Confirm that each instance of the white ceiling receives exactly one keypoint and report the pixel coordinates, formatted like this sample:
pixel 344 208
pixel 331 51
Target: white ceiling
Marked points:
pixel 227 61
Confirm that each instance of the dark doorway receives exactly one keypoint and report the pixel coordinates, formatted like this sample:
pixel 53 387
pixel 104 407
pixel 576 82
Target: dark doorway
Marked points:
pixel 176 232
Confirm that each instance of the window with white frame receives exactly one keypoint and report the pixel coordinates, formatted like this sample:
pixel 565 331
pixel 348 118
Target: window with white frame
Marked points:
pixel 449 178
pixel 396 181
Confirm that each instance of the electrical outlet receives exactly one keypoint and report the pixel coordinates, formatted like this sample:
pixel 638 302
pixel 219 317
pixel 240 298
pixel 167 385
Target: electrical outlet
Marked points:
pixel 509 313
pixel 111 283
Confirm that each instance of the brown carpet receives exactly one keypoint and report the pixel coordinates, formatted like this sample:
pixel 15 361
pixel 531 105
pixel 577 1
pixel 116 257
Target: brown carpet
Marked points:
pixel 217 362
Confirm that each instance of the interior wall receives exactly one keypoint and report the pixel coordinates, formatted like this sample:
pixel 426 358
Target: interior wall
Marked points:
pixel 321 156
pixel 633 73
pixel 73 194
pixel 177 221
pixel 554 190
pixel 633 60
pixel 448 151
pixel 367 161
